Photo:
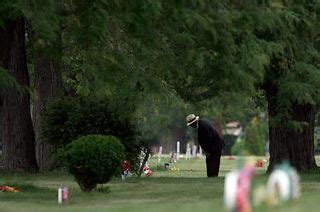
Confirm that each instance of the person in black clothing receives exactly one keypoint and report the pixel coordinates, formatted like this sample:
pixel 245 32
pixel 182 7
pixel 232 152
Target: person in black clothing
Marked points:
pixel 210 141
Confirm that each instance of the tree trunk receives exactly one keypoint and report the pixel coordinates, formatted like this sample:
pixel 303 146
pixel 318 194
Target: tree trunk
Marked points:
pixel 48 86
pixel 217 125
pixel 286 143
pixel 16 124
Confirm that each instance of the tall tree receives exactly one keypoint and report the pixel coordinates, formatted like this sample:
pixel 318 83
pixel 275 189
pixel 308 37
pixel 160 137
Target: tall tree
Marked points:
pixel 47 86
pixel 47 47
pixel 291 84
pixel 211 49
pixel 16 124
pixel 45 62
pixel 247 46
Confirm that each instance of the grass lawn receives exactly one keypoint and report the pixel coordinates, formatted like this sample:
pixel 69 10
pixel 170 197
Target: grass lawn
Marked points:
pixel 186 190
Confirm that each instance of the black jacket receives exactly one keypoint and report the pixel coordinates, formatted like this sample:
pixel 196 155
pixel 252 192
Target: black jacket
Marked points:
pixel 208 137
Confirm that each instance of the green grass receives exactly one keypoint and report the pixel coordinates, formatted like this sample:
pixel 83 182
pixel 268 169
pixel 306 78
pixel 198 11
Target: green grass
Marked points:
pixel 186 190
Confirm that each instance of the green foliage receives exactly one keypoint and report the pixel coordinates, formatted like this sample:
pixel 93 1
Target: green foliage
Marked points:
pixel 7 81
pixel 158 114
pixel 93 159
pixel 223 52
pixel 230 142
pixel 55 129
pixel 253 141
pixel 254 138
pixel 69 118
pixel 238 148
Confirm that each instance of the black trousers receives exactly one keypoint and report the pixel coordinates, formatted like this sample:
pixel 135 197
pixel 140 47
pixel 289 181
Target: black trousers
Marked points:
pixel 213 163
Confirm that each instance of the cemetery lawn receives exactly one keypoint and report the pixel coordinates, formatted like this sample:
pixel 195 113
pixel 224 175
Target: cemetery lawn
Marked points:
pixel 186 190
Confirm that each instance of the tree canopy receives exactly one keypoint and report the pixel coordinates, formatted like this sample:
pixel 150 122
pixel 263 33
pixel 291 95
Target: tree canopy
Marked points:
pixel 215 56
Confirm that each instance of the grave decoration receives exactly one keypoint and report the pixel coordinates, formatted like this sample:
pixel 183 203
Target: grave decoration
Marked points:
pixel 173 157
pixel 284 182
pixel 260 163
pixel 283 185
pixel 63 195
pixel 125 169
pixel 167 166
pixel 237 189
pixel 230 157
pixel 174 169
pixel 147 171
pixel 5 188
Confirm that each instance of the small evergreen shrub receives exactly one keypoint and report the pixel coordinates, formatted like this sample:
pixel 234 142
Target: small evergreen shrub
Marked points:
pixel 93 159
pixel 254 138
pixel 253 141
pixel 238 148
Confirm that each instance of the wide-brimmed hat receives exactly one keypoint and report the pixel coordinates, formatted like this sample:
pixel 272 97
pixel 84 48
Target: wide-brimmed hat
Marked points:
pixel 191 119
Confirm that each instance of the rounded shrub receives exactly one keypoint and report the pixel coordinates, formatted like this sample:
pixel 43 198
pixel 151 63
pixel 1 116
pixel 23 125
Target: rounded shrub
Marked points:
pixel 93 159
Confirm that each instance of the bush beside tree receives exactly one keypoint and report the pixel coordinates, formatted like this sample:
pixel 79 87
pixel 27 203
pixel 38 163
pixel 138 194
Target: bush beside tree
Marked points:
pixel 254 138
pixel 93 159
pixel 238 148
pixel 253 141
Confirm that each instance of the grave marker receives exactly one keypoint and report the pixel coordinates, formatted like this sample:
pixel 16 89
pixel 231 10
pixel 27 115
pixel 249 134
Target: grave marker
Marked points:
pixel 178 150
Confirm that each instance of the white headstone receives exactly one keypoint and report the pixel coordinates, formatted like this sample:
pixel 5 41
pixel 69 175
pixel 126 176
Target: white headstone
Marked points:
pixel 194 151
pixel 188 152
pixel 159 155
pixel 178 150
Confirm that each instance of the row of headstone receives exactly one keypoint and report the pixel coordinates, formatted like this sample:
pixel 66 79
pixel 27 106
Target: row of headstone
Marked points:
pixel 190 152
